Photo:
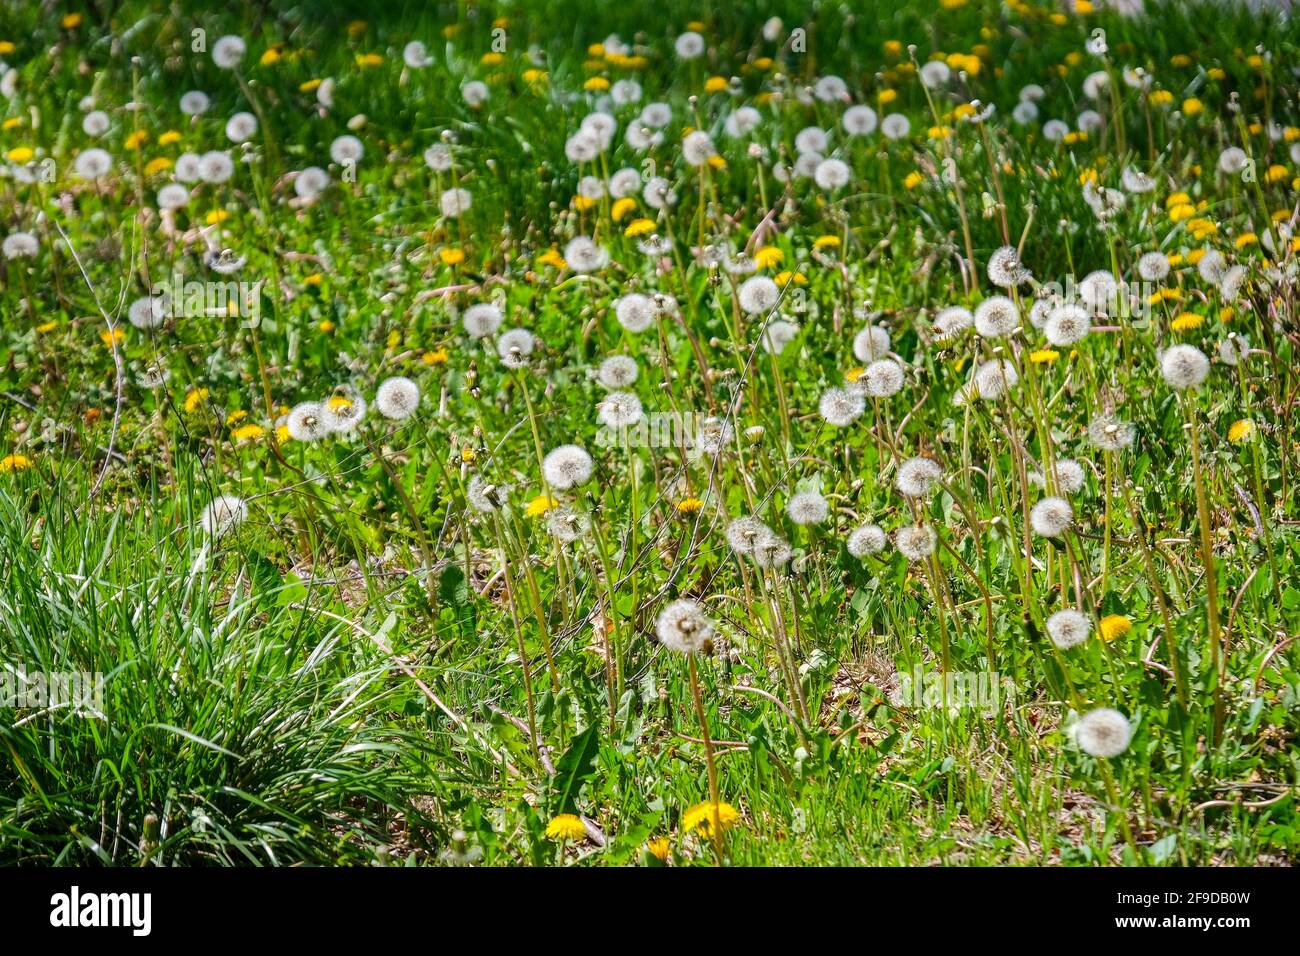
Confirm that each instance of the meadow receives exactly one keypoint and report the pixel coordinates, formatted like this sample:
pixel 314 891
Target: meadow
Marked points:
pixel 547 434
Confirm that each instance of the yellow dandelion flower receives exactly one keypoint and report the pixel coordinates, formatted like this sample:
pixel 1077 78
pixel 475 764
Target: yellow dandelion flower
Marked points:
pixel 1187 321
pixel 566 826
pixel 451 257
pixel 583 203
pixel 108 338
pixel 1192 106
pixel 12 123
pixel 1245 239
pixel 6 47
pixel 659 848
pixel 855 373
pixel 47 327
pixel 15 462
pixel 597 83
pixel 1241 430
pixel 369 59
pixel 136 139
pixel 715 84
pixel 70 21
pixel 236 416
pixel 716 162
pixel 326 325
pixel 156 166
pixel 540 505
pixel 825 242
pixel 1275 174
pixel 534 76
pixel 768 256
pixel 492 58
pixel 689 505
pixel 637 227
pixel 786 277
pixel 702 815
pixel 356 28
pixel 194 398
pixel 309 86
pixel 885 97
pixel 552 258
pixel 271 56
pixel 250 432
pixel 1114 626
pixel 1044 356
pixel 435 357
pixel 1161 98
pixel 913 179
pixel 621 208
pixel 20 154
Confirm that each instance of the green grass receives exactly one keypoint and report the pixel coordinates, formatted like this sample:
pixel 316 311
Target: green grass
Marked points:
pixel 340 679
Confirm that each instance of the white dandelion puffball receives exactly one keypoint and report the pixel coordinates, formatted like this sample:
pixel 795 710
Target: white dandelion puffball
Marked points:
pixel 1099 290
pixel 1233 349
pixel 20 245
pixel 514 347
pixel 624 182
pixel 1051 517
pixel 1024 112
pixel 915 542
pixel 871 343
pixel 241 127
pixel 1067 324
pixel 807 507
pixel 656 115
pixel 697 148
pixel 438 157
pixel 454 203
pixel 742 122
pixel 683 627
pixel 223 514
pixel 743 534
pixel 772 551
pixel 566 467
pixel 1110 433
pixel 895 126
pixel 1154 266
pixel 1233 160
pixel 866 540
pixel 147 313
pixel 995 378
pixel 935 74
pixel 583 255
pixel 777 335
pixel 619 410
pixel 481 320
pixel 1069 476
pixel 1103 733
pixel 216 167
pixel 346 149
pixel 1212 266
pixel 617 371
pixel 1041 310
pixel 859 121
pixel 996 316
pixel 1068 628
pixel 474 93
pixel 625 92
pixel 811 139
pixel 416 55
pixel 1184 366
pixel 832 174
pixel 483 496
pixel 306 422
pixel 95 123
pixel 840 407
pixel 881 379
pixel 195 103
pixel 342 415
pixel 689 45
pixel 567 525
pixel 953 320
pixel 311 182
pixel 635 312
pixel 397 398
pixel 831 89
pixel 325 93
pixel 228 51
pixel 1055 130
pixel 917 477
pixel 758 294
pixel 1005 269
pixel 173 196
pixel 93 163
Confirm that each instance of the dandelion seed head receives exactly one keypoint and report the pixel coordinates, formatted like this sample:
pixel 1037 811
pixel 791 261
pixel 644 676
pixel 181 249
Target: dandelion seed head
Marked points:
pixel 1103 733
pixel 1110 433
pixel 682 626
pixel 481 319
pixel 996 316
pixel 619 410
pixel 871 343
pixel 515 346
pixel 566 467
pixel 635 312
pixel 866 540
pixel 1005 269
pixel 223 515
pixel 917 477
pixel 1051 517
pixel 397 398
pixel 1067 324
pixel 1068 628
pixel 306 422
pixel 617 371
pixel 1184 366
pixel 758 294
pixel 915 542
pixel 840 407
